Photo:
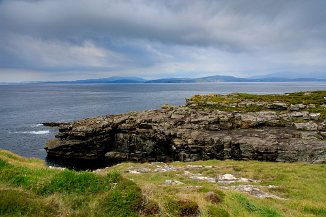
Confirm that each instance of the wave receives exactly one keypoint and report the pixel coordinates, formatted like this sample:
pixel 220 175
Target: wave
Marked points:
pixel 36 125
pixel 34 132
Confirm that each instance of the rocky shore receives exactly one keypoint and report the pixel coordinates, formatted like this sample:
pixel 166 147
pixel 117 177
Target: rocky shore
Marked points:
pixel 276 130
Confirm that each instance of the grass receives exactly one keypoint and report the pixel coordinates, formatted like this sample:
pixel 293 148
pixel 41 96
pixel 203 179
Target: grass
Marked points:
pixel 222 102
pixel 302 185
pixel 15 202
pixel 29 188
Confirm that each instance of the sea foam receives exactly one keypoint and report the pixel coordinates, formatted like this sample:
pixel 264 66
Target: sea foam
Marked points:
pixel 36 125
pixel 34 132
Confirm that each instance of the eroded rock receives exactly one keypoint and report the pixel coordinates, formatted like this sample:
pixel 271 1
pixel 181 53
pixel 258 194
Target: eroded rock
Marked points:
pixel 185 134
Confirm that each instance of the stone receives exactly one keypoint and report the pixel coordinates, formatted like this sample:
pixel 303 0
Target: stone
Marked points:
pixel 200 177
pixel 227 177
pixel 306 126
pixel 296 107
pixel 311 106
pixel 298 114
pixel 138 170
pixel 252 190
pixel 212 103
pixel 314 116
pixel 278 106
pixel 172 182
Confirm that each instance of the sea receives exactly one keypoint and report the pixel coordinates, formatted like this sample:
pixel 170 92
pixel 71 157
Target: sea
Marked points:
pixel 23 107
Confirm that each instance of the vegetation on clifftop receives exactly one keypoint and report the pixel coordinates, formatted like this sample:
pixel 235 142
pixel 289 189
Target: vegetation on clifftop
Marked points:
pixel 314 101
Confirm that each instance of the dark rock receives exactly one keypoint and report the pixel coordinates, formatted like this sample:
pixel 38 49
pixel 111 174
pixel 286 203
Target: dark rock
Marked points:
pixel 52 124
pixel 185 134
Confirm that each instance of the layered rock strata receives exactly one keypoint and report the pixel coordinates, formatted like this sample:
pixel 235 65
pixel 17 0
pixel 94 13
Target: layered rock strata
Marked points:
pixel 186 134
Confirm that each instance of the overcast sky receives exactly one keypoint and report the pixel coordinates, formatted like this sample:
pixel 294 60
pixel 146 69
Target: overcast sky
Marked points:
pixel 79 39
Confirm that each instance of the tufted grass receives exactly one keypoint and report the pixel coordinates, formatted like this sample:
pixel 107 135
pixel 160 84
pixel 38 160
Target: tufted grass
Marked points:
pixel 301 184
pixel 29 188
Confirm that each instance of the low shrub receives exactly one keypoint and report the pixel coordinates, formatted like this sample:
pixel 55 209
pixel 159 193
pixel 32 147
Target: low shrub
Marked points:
pixel 183 208
pixel 150 208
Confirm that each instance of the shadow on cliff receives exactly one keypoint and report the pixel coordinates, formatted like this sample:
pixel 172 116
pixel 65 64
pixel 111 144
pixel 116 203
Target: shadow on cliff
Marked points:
pixel 79 165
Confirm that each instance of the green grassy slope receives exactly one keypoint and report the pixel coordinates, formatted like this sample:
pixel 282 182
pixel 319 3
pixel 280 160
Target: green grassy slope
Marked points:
pixel 29 188
pixel 301 185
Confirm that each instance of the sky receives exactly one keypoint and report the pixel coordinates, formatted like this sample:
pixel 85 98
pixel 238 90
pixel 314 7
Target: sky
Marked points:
pixel 52 40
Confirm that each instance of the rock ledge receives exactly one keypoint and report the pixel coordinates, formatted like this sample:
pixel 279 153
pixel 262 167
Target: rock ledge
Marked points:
pixel 184 133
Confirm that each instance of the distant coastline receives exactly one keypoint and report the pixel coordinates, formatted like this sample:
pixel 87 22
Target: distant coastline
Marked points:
pixel 208 79
pixel 216 78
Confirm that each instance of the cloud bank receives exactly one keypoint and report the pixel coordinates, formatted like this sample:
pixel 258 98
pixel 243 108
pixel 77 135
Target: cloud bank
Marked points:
pixel 76 39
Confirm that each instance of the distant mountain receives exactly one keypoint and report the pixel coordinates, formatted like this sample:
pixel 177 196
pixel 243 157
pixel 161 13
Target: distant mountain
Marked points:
pixel 114 79
pixel 216 78
pixel 221 78
pixel 171 80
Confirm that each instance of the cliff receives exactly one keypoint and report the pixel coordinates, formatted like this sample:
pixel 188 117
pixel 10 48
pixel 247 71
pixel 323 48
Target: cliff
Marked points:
pixel 287 128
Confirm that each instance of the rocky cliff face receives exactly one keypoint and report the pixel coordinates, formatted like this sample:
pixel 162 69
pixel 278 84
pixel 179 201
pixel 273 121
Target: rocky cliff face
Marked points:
pixel 187 134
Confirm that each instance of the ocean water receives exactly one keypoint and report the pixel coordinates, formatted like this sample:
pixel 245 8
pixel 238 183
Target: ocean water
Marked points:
pixel 23 107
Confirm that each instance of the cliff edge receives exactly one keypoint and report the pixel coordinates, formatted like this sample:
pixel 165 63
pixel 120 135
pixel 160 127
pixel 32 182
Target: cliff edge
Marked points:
pixel 287 127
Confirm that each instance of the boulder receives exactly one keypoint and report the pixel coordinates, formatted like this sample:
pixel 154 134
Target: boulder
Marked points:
pixel 278 106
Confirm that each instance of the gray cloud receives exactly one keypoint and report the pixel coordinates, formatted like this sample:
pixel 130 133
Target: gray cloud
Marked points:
pixel 157 38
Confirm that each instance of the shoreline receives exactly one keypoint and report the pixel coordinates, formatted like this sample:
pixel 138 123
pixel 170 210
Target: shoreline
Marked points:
pixel 288 127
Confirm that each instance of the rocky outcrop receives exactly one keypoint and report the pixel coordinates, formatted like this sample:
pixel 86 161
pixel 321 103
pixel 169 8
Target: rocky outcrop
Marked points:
pixel 186 134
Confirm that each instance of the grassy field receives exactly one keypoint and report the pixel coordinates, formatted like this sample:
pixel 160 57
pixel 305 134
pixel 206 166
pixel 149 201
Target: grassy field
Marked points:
pixel 29 188
pixel 302 185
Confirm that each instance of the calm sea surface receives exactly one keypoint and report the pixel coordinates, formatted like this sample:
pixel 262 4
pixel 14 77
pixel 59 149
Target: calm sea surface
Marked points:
pixel 24 107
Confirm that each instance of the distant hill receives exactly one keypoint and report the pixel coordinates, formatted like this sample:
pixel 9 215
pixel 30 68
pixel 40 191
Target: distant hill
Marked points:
pixel 115 79
pixel 216 78
pixel 221 78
